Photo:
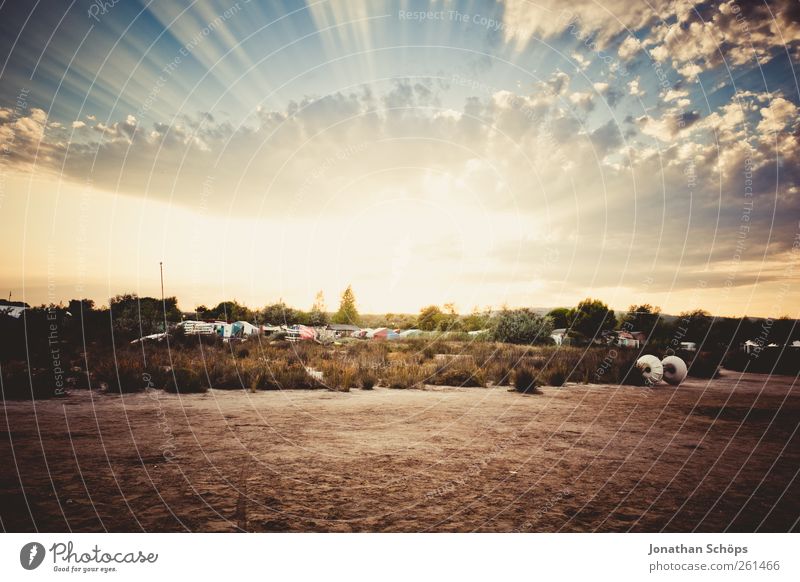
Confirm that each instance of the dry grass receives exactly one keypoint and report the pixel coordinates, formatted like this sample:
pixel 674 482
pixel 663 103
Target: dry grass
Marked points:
pixel 260 365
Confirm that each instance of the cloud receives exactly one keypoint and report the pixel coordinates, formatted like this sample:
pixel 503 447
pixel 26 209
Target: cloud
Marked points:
pixel 606 138
pixel 675 94
pixel 777 115
pixel 580 60
pixel 633 88
pixel 604 21
pixel 669 125
pixel 609 93
pixel 629 48
pixel 598 191
pixel 737 33
pixel 583 100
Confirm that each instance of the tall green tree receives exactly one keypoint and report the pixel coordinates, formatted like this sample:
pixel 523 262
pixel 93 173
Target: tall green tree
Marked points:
pixel 133 316
pixel 645 318
pixel 592 317
pixel 231 311
pixel 560 317
pixel 280 314
pixel 692 325
pixel 348 313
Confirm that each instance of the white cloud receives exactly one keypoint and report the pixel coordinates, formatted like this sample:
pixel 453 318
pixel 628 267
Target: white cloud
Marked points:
pixel 777 115
pixel 674 94
pixel 634 89
pixel 629 48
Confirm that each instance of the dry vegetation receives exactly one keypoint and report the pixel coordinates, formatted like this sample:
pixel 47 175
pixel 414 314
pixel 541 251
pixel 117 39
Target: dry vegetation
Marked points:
pixel 193 365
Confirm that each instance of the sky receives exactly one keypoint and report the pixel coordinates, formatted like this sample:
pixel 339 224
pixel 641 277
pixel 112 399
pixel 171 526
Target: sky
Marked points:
pixel 482 153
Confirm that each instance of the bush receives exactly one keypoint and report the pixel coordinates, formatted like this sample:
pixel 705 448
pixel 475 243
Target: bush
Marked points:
pixel 409 376
pixel 520 326
pixel 705 365
pixel 555 375
pixel 776 360
pixel 338 377
pixel 455 374
pixel 17 385
pixel 185 381
pixel 128 376
pixel 285 375
pixel 127 381
pixel 526 381
pixel 367 379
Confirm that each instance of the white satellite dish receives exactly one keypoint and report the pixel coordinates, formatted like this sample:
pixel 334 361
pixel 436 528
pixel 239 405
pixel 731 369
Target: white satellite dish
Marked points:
pixel 675 370
pixel 651 368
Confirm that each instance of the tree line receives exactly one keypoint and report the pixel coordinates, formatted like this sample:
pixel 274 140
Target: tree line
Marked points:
pixel 591 321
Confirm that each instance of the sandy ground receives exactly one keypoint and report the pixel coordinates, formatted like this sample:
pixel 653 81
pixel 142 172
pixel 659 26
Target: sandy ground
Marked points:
pixel 708 456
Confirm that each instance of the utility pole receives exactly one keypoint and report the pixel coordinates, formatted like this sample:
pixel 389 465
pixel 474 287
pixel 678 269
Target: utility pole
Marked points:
pixel 163 303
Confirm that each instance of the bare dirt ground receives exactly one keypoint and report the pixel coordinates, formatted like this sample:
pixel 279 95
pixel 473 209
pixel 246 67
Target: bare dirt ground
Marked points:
pixel 709 456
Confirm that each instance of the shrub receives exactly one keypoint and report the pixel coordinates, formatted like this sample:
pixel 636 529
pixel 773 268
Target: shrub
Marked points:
pixel 555 376
pixel 286 375
pixel 520 326
pixel 367 379
pixel 128 375
pixel 456 374
pixel 221 371
pixel 526 380
pixel 185 381
pixel 705 365
pixel 338 377
pixel 775 360
pixel 410 376
pixel 127 381
pixel 17 385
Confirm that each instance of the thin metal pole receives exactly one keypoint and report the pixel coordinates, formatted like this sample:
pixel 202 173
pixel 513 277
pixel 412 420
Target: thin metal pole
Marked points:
pixel 163 302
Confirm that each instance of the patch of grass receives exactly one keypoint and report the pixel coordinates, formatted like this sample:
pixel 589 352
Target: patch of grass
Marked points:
pixel 458 374
pixel 338 377
pixel 411 376
pixel 185 381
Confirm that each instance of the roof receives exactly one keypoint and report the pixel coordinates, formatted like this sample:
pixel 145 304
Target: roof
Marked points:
pixel 561 330
pixel 343 327
pixel 5 303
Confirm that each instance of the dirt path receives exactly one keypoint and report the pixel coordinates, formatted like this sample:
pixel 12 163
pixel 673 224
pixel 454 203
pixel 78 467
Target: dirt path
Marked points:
pixel 710 456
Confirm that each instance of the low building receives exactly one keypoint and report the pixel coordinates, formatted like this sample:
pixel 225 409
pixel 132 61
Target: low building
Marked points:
pixel 343 329
pixel 627 340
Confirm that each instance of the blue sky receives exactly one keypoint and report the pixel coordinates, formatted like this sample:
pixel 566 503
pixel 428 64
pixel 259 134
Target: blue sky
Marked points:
pixel 511 152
